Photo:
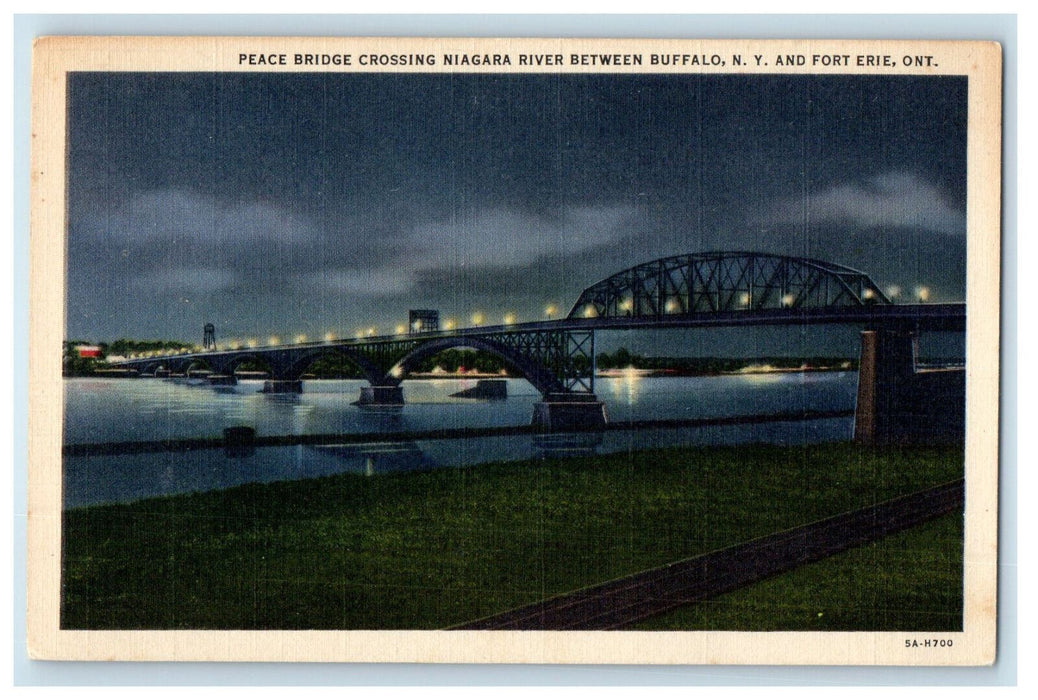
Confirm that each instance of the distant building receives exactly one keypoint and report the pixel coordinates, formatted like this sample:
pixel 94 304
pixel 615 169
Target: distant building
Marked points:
pixel 423 321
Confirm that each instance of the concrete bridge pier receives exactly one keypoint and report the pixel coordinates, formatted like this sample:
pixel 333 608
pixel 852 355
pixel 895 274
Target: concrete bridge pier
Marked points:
pixel 885 371
pixel 569 411
pixel 283 386
pixel 897 403
pixel 381 396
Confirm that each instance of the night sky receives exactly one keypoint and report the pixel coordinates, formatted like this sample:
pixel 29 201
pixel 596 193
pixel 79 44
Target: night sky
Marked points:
pixel 310 204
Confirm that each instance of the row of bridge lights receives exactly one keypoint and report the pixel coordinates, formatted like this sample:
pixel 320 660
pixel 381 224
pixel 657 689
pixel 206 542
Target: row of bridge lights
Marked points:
pixel 672 305
pixel 478 318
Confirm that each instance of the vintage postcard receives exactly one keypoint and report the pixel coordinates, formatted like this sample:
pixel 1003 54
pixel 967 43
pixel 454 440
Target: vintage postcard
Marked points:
pixel 514 351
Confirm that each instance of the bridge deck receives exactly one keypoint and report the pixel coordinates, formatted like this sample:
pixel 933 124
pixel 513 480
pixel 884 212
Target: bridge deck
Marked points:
pixel 922 317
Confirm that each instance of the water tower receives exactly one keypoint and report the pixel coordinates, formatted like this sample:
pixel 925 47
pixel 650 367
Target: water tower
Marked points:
pixel 209 337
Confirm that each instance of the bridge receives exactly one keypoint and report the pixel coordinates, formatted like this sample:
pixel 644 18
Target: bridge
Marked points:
pixel 717 289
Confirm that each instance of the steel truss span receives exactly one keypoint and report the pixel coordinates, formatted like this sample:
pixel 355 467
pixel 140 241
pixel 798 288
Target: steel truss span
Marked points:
pixel 725 282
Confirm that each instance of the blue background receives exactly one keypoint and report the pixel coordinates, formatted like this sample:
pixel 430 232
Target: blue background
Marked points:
pixel 1001 28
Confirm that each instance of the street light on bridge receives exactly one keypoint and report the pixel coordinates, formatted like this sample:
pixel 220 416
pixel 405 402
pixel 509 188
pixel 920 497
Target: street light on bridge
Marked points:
pixel 550 310
pixel 922 293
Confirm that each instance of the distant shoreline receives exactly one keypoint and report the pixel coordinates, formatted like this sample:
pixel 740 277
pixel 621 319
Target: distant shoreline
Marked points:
pixel 602 374
pixel 638 373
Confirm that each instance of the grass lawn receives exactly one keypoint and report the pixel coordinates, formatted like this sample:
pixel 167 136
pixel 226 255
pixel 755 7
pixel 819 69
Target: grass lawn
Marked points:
pixel 908 581
pixel 430 550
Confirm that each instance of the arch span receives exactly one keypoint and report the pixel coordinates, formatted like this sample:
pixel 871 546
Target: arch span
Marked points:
pixel 716 282
pixel 183 365
pixel 301 361
pixel 177 365
pixel 197 363
pixel 228 364
pixel 542 377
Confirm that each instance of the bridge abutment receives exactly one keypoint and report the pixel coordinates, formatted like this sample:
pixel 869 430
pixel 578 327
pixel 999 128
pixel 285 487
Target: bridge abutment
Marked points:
pixel 381 396
pixel 897 403
pixel 885 368
pixel 569 411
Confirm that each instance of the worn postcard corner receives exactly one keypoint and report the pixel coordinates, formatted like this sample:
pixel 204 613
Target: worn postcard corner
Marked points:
pixel 514 350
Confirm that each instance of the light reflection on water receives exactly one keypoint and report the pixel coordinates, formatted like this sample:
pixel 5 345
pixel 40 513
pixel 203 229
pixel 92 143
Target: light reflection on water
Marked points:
pixel 155 409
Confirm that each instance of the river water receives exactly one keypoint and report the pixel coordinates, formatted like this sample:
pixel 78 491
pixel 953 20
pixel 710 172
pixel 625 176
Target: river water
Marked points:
pixel 123 410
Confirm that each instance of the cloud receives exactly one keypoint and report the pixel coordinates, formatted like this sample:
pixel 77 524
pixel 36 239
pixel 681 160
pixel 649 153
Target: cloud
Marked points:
pixel 364 282
pixel 194 217
pixel 198 280
pixel 495 239
pixel 508 238
pixel 894 199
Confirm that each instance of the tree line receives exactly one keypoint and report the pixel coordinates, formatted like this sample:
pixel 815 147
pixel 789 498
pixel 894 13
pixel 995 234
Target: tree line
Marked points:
pixel 338 366
pixel 73 365
pixel 624 358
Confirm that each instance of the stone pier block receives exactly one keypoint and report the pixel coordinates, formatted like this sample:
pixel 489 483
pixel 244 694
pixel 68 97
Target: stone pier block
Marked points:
pixel 239 441
pixel 381 396
pixel 569 412
pixel 897 403
pixel 491 389
pixel 283 386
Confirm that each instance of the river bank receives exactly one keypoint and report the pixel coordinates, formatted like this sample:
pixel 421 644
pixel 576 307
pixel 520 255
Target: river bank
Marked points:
pixel 435 549
pixel 116 373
